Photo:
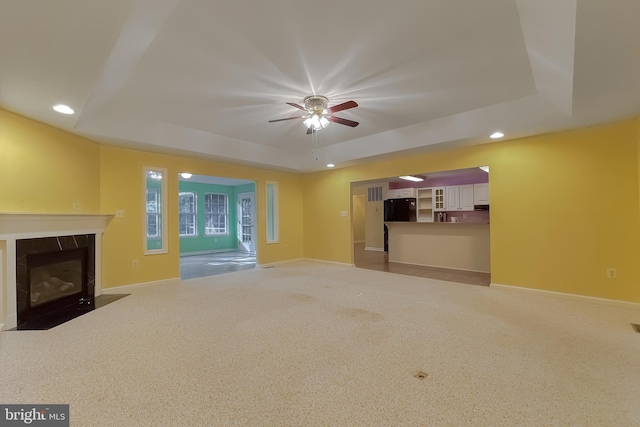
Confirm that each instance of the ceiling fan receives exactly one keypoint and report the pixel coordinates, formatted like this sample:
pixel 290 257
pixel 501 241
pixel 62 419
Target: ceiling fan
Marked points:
pixel 319 114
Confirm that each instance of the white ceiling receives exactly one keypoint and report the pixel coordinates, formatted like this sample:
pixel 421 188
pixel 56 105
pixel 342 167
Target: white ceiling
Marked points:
pixel 203 77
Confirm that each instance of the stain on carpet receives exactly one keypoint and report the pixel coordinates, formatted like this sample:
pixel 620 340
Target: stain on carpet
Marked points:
pixel 304 298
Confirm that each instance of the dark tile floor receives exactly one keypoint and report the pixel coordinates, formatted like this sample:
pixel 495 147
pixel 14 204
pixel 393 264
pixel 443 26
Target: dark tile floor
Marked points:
pixel 193 266
pixel 373 260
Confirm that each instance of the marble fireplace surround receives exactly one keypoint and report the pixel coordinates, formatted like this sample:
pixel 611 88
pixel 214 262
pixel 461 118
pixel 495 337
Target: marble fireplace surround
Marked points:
pixel 16 226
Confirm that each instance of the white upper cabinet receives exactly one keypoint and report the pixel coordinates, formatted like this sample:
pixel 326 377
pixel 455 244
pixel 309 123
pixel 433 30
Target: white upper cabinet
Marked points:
pixel 401 193
pixel 481 194
pixel 466 197
pixel 459 197
pixel 438 199
pixel 452 197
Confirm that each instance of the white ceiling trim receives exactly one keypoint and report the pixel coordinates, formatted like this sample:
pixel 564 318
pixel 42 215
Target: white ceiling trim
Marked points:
pixel 142 26
pixel 549 30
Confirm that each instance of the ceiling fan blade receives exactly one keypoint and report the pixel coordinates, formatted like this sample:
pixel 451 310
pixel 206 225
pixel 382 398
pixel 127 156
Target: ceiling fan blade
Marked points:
pixel 288 118
pixel 310 130
pixel 300 107
pixel 343 106
pixel 343 121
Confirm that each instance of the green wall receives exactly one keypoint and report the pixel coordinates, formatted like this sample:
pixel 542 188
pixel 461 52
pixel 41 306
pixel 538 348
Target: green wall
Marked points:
pixel 201 242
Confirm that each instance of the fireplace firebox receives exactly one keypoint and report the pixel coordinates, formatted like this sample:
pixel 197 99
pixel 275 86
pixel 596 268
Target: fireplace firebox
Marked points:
pixel 55 278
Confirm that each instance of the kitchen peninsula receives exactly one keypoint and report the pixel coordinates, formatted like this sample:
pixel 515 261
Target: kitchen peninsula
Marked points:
pixel 441 221
pixel 457 245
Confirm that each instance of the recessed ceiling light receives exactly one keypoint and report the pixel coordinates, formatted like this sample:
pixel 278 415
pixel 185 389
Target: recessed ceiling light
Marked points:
pixel 411 178
pixel 186 175
pixel 330 165
pixel 497 135
pixel 64 109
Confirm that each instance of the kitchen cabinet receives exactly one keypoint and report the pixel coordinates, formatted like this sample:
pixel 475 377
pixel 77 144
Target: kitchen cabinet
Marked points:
pixel 481 194
pixel 401 193
pixel 438 199
pixel 425 205
pixel 459 197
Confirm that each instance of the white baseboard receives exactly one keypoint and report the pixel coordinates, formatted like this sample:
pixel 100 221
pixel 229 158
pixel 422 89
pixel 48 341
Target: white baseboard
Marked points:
pixel 323 261
pixel 570 296
pixel 273 264
pixel 10 322
pixel 126 288
pixel 370 248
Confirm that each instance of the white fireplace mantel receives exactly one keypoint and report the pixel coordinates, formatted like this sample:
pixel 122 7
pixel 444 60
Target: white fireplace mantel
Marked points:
pixel 16 226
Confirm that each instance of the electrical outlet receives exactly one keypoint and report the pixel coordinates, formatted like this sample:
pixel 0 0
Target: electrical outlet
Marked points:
pixel 76 205
pixel 612 273
pixel 464 215
pixel 135 263
pixel 344 213
pixel 120 213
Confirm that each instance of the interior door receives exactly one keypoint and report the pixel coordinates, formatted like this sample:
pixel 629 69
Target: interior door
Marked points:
pixel 246 222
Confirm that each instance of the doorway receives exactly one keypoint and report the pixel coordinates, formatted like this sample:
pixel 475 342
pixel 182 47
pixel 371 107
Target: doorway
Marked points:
pixel 216 225
pixel 246 222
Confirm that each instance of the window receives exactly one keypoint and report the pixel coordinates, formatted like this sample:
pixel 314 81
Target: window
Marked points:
pixel 153 213
pixel 272 212
pixel 187 213
pixel 216 214
pixel 155 199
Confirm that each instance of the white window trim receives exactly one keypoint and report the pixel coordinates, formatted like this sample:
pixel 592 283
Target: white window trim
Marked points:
pixel 228 224
pixel 163 212
pixel 195 214
pixel 276 219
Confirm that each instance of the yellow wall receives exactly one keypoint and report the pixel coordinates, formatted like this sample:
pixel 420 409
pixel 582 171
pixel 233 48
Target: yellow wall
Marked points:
pixel 358 217
pixel 564 207
pixel 44 169
pixel 123 188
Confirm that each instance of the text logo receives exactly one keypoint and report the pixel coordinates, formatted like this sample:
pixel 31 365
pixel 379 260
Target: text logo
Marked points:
pixel 34 415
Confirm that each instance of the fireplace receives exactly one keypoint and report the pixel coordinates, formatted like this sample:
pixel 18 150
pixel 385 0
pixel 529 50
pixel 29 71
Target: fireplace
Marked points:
pixel 28 228
pixel 55 279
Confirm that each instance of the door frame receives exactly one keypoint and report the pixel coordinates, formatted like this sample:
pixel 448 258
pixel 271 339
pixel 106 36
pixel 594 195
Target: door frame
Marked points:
pixel 240 196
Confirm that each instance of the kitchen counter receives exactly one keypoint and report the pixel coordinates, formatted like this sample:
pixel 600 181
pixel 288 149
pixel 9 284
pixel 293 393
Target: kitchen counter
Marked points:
pixel 458 245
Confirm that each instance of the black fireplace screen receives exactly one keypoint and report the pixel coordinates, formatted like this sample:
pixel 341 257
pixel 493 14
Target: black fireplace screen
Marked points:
pixel 53 273
pixel 56 280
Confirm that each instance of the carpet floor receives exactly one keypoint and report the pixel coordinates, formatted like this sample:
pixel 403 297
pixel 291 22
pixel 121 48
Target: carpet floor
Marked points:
pixel 313 344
